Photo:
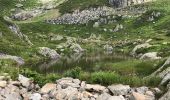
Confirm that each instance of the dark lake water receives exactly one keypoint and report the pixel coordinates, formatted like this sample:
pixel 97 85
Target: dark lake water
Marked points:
pixel 87 61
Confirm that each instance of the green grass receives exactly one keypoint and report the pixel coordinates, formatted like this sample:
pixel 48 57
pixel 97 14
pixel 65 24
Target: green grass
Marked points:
pixel 71 5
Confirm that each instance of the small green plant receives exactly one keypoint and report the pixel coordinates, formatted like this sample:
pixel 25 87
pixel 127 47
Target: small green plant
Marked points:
pixel 74 73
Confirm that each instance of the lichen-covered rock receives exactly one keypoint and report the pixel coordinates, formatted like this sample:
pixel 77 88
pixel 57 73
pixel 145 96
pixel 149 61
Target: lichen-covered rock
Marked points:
pixel 47 52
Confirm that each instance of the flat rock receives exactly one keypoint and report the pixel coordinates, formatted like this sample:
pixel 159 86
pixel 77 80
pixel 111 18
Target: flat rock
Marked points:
pixel 119 89
pixel 95 87
pixel 48 88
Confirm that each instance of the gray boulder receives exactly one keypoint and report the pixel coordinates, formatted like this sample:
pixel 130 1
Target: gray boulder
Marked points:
pixel 119 89
pixel 150 56
pixel 116 98
pixel 166 96
pixel 35 96
pixel 24 81
pixel 47 52
pixel 19 60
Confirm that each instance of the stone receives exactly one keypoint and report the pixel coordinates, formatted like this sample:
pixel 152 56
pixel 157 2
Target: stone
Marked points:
pixel 57 38
pixel 166 96
pixel 108 47
pixel 119 89
pixel 157 91
pixel 19 60
pixel 138 96
pixel 67 94
pixel 47 52
pixel 3 84
pixel 116 98
pixel 150 56
pixel 48 88
pixel 125 3
pixel 24 81
pixel 118 27
pixel 76 48
pixel 66 82
pixel 142 89
pixel 140 46
pixel 165 79
pixel 83 17
pixel 96 24
pixel 95 88
pixel 19 5
pixel 35 96
pixel 150 94
pixel 104 96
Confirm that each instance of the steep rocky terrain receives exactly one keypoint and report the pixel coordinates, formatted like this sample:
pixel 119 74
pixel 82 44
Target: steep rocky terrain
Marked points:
pixel 106 42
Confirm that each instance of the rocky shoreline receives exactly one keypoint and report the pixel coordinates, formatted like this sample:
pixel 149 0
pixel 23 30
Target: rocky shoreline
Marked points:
pixel 71 89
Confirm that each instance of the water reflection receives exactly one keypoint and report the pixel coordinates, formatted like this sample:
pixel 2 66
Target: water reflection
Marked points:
pixel 87 61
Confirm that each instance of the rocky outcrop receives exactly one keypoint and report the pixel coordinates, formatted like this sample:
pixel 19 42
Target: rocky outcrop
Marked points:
pixel 162 73
pixel 140 46
pixel 166 96
pixel 47 52
pixel 83 17
pixel 16 30
pixel 69 89
pixel 125 3
pixel 19 60
pixel 24 15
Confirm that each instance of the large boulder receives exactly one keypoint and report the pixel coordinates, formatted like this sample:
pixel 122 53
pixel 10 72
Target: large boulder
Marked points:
pixel 35 96
pixel 166 96
pixel 119 89
pixel 165 79
pixel 66 82
pixel 150 56
pixel 48 88
pixel 104 96
pixel 26 82
pixel 95 88
pixel 19 60
pixel 69 93
pixel 47 52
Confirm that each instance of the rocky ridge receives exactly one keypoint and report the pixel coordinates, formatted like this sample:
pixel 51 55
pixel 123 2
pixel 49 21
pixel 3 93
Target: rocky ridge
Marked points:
pixel 70 89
